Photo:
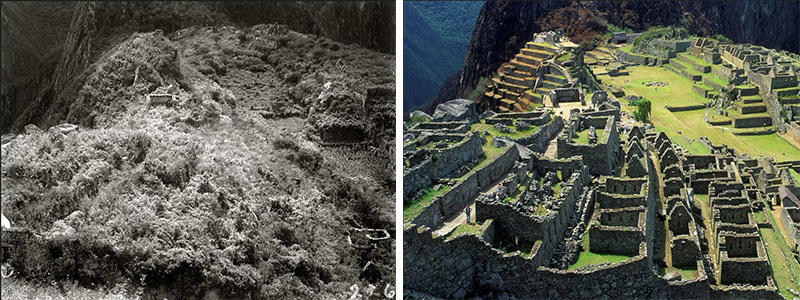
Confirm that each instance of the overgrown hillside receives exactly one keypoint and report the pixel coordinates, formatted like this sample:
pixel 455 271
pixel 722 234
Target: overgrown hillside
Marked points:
pixel 228 190
pixel 68 37
pixel 436 35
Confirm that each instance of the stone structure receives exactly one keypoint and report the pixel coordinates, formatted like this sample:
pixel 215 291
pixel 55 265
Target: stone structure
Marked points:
pixel 602 158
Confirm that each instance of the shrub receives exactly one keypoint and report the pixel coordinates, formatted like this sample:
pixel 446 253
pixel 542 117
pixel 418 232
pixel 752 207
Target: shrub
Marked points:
pixel 286 143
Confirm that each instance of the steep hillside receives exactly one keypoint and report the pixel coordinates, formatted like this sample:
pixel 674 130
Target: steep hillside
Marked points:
pixel 503 27
pixel 230 189
pixel 436 35
pixel 95 27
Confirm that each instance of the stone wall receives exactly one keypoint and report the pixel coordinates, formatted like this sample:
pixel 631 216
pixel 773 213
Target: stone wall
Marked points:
pixel 538 141
pixel 532 118
pixel 454 200
pixel 747 122
pixel 466 266
pixel 441 163
pixel 601 158
pixel 616 239
pixel 685 108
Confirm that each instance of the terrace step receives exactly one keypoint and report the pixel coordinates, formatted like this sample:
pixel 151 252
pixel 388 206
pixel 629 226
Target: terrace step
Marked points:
pixel 752 120
pixel 526 67
pixel 531 96
pixel 502 109
pixel 786 92
pixel 752 99
pixel 519 107
pixel 529 59
pixel 541 90
pixel 555 78
pixel 789 100
pixel 750 108
pixel 507 103
pixel 550 85
pixel 535 53
pixel 539 46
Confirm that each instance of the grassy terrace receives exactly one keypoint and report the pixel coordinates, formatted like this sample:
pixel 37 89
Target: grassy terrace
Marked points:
pixel 629 49
pixel 473 228
pixel 686 66
pixel 780 265
pixel 716 79
pixel 482 126
pixel 587 257
pixel 691 125
pixel 582 137
pixel 695 59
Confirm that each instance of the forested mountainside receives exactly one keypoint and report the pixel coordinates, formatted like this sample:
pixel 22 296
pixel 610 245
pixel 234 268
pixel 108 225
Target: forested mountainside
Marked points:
pixel 435 37
pixel 503 27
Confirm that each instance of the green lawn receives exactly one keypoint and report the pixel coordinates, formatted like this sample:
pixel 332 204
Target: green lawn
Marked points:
pixel 473 228
pixel 586 257
pixel 781 267
pixel 687 274
pixel 695 59
pixel 795 175
pixel 691 124
pixel 582 137
pixel 759 215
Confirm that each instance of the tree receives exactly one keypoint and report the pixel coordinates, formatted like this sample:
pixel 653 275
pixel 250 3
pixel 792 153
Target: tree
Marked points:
pixel 642 112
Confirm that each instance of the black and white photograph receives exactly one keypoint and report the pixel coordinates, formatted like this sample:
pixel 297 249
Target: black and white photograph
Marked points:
pixel 198 150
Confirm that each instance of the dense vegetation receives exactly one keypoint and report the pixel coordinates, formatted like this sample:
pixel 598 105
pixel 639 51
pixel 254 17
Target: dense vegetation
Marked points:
pixel 436 35
pixel 205 196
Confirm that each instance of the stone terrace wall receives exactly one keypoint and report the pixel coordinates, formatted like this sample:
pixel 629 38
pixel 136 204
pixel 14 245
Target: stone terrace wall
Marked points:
pixel 466 266
pixel 454 200
pixel 449 159
pixel 539 139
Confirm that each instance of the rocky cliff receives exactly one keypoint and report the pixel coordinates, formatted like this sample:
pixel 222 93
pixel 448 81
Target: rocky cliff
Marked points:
pixel 503 27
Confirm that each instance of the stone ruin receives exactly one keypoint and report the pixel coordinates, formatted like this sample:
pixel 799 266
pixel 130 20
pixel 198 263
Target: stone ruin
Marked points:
pixel 536 216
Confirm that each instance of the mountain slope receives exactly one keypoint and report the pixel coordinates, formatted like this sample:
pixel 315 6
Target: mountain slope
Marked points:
pixel 435 38
pixel 503 27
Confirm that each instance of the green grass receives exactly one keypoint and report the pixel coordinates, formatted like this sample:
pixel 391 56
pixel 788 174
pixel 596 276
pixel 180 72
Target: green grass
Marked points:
pixel 780 267
pixel 687 67
pixel 563 56
pixel 716 79
pixel 582 137
pixel 691 124
pixel 482 126
pixel 759 216
pixel 629 49
pixel 473 228
pixel 753 97
pixel 695 60
pixel 775 244
pixel 688 273
pixel 587 257
pixel 416 206
pixel 795 175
